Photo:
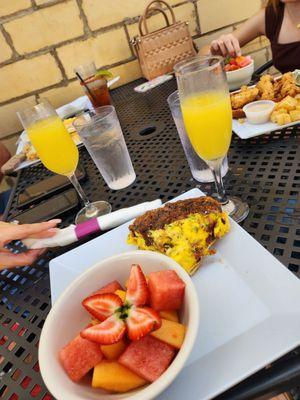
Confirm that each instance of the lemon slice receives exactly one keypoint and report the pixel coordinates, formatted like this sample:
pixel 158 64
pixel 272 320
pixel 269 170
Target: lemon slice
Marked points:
pixel 103 73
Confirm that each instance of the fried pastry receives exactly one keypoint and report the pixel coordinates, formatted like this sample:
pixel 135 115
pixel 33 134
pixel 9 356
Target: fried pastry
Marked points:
pixel 295 115
pixel 288 85
pixel 280 118
pixel 239 113
pixel 245 96
pixel 283 91
pixel 266 88
pixel 289 103
pixel 30 152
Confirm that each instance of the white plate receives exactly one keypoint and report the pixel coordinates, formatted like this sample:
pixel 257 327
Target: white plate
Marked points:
pixel 247 130
pixel 250 308
pixel 82 103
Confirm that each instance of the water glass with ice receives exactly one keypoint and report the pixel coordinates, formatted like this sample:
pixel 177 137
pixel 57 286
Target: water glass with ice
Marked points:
pixel 199 169
pixel 102 135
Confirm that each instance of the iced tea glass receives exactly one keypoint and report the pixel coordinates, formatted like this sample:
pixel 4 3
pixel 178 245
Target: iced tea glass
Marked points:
pixel 95 87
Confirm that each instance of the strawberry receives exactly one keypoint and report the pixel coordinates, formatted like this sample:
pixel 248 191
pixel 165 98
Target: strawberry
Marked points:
pixel 102 306
pixel 116 317
pixel 109 331
pixel 137 289
pixel 142 321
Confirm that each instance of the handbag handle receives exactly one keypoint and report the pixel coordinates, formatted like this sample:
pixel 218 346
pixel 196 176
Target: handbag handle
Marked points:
pixel 143 24
pixel 157 7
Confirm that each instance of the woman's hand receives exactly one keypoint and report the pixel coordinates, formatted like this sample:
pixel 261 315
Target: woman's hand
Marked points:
pixel 9 232
pixel 226 45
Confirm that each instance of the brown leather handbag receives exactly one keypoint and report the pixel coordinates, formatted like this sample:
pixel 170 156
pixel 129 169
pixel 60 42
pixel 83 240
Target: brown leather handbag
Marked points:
pixel 160 50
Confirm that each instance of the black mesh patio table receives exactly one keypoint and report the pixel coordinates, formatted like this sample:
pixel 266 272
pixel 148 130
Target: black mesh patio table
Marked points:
pixel 264 171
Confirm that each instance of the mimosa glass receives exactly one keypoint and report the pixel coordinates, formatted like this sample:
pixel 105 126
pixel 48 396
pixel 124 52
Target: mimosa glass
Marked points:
pixel 207 115
pixel 58 152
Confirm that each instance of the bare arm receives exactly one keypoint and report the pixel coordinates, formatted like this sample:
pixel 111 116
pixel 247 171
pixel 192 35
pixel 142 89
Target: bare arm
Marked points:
pixel 231 43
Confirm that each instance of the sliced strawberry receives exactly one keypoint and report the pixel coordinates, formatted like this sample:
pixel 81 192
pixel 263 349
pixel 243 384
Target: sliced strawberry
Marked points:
pixel 109 331
pixel 142 321
pixel 137 288
pixel 102 306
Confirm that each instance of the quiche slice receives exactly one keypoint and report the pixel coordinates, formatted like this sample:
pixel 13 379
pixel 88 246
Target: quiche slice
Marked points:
pixel 184 230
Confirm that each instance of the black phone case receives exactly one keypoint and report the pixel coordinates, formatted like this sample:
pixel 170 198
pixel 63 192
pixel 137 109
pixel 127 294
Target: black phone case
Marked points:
pixel 49 209
pixel 80 174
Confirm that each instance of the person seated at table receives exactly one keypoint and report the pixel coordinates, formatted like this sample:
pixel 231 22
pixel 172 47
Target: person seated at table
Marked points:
pixel 9 232
pixel 4 157
pixel 279 20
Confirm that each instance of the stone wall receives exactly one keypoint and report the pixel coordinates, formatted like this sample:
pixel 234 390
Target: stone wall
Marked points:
pixel 42 40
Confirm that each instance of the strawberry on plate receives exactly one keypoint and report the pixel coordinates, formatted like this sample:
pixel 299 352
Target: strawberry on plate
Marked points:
pixel 232 61
pixel 137 289
pixel 102 306
pixel 108 332
pixel 142 321
pixel 117 317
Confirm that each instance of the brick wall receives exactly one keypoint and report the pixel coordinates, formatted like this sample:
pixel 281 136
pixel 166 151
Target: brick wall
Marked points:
pixel 42 40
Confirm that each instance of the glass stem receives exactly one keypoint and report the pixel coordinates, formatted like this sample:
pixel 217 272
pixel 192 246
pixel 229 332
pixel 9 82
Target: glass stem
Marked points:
pixel 216 166
pixel 90 208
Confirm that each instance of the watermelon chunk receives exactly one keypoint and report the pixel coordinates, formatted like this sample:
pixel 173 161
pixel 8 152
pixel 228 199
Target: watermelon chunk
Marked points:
pixel 111 287
pixel 79 356
pixel 147 357
pixel 166 290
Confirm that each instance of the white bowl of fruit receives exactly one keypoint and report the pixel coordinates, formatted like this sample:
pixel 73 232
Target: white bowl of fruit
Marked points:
pixel 239 71
pixel 122 330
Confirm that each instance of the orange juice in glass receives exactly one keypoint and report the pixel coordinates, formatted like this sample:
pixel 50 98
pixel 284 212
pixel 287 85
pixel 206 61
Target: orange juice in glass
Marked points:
pixel 58 152
pixel 207 115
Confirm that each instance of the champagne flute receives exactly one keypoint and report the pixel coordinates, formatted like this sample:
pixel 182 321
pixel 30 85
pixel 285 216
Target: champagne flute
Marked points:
pixel 207 115
pixel 58 152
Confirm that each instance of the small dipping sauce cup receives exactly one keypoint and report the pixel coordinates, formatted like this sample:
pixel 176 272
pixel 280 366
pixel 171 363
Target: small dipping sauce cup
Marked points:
pixel 258 112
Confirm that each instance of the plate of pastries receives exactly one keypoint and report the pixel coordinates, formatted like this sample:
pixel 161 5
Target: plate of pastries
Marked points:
pixel 281 95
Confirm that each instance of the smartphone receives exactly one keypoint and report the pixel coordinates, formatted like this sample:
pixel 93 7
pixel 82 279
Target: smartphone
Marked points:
pixel 49 209
pixel 45 188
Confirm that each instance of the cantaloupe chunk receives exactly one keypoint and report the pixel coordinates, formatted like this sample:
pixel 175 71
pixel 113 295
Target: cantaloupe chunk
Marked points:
pixel 171 315
pixel 113 351
pixel 171 333
pixel 121 294
pixel 112 376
